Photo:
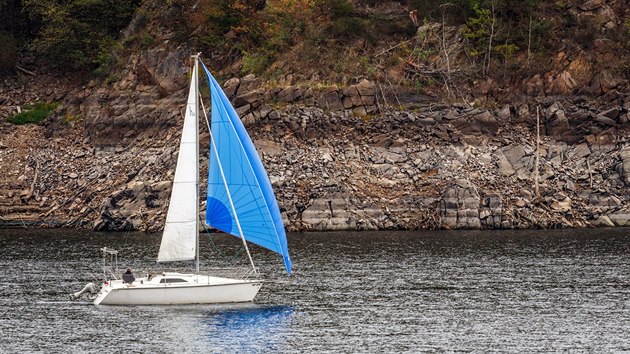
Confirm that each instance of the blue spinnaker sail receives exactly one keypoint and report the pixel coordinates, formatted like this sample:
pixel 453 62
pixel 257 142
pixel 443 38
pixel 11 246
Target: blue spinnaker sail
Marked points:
pixel 235 164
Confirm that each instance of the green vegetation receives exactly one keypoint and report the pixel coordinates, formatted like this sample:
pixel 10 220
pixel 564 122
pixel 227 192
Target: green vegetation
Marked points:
pixel 316 38
pixel 108 57
pixel 324 32
pixel 505 50
pixel 502 27
pixel 366 66
pixel 73 34
pixel 478 29
pixel 78 32
pixel 344 26
pixel 33 114
pixel 255 63
pixel 218 17
pixel 70 119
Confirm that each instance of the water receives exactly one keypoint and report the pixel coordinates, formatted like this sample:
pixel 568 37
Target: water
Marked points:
pixel 471 291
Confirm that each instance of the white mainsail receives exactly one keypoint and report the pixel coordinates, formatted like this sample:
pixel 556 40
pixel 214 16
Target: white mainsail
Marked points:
pixel 179 240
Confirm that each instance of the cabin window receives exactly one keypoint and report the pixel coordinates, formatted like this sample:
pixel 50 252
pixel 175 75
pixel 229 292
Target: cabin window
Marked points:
pixel 172 280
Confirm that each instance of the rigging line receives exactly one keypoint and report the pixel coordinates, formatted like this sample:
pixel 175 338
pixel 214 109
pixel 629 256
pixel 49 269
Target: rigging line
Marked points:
pixel 237 254
pixel 205 115
pixel 215 84
pixel 238 223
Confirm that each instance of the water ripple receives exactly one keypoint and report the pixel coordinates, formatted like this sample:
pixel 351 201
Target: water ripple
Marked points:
pixel 475 291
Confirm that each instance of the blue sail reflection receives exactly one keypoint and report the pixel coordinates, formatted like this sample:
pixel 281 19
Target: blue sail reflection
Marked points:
pixel 252 328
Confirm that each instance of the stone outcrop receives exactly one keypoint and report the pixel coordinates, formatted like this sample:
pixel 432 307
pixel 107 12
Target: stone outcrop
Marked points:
pixel 434 167
pixel 459 206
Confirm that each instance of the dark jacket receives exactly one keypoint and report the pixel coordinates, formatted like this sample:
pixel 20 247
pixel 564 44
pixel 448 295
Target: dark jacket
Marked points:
pixel 128 277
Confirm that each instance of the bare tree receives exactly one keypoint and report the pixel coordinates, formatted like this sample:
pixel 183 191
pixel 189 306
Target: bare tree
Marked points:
pixel 537 160
pixel 529 39
pixel 494 18
pixel 446 58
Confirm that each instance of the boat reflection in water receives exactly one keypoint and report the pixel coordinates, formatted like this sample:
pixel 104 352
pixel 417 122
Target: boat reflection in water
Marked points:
pixel 248 327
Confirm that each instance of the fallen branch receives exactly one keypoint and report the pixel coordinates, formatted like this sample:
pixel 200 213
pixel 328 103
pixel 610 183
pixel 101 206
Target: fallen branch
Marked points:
pixel 383 94
pixel 393 91
pixel 67 201
pixel 392 48
pixel 590 172
pixel 31 190
pixel 80 217
pixel 25 71
pixel 423 70
pixel 56 207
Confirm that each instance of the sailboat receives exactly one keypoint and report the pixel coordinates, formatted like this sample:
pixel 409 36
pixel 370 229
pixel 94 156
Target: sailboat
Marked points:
pixel 240 201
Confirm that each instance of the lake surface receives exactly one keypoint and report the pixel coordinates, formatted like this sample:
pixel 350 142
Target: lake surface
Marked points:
pixel 471 291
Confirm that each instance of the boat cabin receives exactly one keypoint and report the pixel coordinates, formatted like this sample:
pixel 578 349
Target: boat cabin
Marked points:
pixel 168 278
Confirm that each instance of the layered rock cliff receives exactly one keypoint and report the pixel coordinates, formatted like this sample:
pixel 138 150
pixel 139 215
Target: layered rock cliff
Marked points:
pixel 358 154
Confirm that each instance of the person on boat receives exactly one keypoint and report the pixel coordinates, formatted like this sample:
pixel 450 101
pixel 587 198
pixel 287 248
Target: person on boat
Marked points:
pixel 128 276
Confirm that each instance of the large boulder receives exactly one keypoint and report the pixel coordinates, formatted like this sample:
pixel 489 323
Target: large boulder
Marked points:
pixel 557 124
pixel 459 206
pixel 476 123
pixel 564 84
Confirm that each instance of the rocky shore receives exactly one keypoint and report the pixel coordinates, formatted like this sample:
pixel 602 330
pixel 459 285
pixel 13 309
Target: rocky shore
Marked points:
pixel 338 158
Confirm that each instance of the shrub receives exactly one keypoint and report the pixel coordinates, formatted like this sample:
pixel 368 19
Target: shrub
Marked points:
pixel 347 28
pixel 477 29
pixel 146 40
pixel 108 57
pixel 33 114
pixel 505 50
pixel 255 63
pixel 74 32
pixel 340 8
pixel 217 18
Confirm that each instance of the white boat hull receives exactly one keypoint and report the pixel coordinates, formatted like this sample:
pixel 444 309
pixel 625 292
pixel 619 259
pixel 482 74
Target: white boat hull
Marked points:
pixel 194 289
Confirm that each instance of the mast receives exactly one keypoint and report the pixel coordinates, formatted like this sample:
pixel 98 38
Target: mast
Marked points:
pixel 196 83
